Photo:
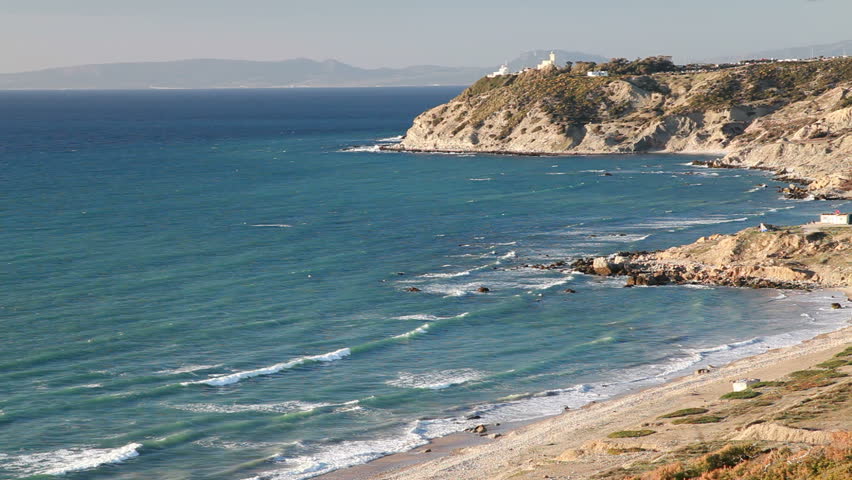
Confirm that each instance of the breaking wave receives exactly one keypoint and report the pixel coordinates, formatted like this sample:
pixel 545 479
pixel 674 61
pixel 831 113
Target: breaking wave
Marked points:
pixel 223 380
pixel 68 460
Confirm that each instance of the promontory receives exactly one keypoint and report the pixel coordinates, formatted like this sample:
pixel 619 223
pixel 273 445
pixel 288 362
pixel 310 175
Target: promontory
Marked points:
pixel 793 118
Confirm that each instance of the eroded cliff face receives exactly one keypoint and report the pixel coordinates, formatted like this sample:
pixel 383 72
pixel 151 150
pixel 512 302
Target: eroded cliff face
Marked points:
pixel 792 119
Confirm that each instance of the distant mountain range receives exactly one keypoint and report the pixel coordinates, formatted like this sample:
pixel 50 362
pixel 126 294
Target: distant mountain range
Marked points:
pixel 215 73
pixel 303 72
pixel 825 50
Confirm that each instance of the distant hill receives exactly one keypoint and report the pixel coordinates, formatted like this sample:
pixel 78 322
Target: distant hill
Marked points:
pixel 825 50
pixel 534 57
pixel 301 72
pixel 213 73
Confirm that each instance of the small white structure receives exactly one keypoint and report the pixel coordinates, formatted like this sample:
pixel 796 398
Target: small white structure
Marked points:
pixel 550 62
pixel 503 70
pixel 836 218
pixel 744 384
pixel 598 73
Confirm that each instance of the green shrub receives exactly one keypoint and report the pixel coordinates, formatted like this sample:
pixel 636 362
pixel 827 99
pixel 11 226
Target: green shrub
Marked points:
pixel 698 420
pixel 749 393
pixel 684 412
pixel 631 433
pixel 802 374
pixel 832 364
pixel 768 384
pixel 848 351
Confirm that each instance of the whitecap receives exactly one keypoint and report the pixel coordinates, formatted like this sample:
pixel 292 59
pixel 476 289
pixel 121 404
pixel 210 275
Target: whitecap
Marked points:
pixel 281 407
pixel 436 380
pixel 275 225
pixel 187 369
pixel 363 148
pixel 397 138
pixel 421 329
pixel 222 380
pixel 67 460
pixel 486 179
pixel 345 454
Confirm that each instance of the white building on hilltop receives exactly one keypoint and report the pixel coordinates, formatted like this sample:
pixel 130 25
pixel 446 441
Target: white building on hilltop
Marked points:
pixel 550 62
pixel 503 70
pixel 598 73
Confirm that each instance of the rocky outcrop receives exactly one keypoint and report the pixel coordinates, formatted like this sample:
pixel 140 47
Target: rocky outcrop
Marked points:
pixel 793 257
pixel 794 119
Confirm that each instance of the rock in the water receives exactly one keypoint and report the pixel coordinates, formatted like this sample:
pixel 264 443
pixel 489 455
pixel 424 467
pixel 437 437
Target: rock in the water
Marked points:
pixel 412 289
pixel 570 290
pixel 836 306
pixel 483 290
pixel 601 266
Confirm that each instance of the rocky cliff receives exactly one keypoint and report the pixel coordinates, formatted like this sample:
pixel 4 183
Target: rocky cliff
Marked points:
pixel 810 256
pixel 792 118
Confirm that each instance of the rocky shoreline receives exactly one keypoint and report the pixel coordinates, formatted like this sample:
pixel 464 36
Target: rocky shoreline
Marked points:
pixel 801 257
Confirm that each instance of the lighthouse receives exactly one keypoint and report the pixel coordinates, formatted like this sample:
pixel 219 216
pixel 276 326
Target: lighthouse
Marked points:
pixel 550 62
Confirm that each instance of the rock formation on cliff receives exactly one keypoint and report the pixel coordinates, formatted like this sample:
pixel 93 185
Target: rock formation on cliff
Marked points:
pixel 791 118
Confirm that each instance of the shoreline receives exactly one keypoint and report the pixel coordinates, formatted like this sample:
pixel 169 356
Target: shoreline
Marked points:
pixel 396 147
pixel 461 455
pixel 798 193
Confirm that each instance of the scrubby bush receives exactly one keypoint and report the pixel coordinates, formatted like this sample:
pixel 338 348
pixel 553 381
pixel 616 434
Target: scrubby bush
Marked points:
pixel 631 433
pixel 684 412
pixel 741 395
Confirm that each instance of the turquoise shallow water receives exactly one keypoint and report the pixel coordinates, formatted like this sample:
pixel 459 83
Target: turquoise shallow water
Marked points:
pixel 212 284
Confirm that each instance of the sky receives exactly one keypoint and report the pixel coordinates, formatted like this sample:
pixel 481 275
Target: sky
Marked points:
pixel 37 34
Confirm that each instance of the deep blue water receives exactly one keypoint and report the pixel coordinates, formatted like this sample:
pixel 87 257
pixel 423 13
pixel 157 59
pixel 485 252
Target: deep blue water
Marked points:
pixel 205 284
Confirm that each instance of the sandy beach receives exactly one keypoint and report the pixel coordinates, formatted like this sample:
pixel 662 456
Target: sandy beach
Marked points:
pixel 574 445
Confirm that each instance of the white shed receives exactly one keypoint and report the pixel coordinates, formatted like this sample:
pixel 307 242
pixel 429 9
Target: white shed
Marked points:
pixel 744 384
pixel 835 218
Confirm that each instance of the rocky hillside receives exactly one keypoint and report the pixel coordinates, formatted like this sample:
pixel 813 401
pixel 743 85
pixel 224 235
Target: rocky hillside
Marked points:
pixel 790 257
pixel 792 118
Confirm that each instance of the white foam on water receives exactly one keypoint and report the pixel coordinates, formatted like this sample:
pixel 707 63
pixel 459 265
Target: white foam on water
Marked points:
pixel 556 173
pixel 420 316
pixel 668 223
pixel 342 455
pixel 281 407
pixel 67 460
pixel 421 329
pixel 223 380
pixel 397 138
pixel 273 225
pixel 363 148
pixel 436 380
pixel 486 179
pixel 511 254
pixel 187 369
pixel 454 274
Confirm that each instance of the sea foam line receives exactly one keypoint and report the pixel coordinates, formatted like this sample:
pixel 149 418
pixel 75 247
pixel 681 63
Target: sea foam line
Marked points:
pixel 236 377
pixel 67 460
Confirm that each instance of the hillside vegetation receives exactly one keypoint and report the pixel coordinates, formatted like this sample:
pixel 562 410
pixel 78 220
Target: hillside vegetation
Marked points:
pixel 794 118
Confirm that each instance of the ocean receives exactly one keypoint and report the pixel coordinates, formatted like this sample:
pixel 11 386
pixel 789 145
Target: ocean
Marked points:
pixel 215 284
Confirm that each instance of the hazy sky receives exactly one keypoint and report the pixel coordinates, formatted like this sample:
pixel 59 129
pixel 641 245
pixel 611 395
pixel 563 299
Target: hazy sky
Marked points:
pixel 46 33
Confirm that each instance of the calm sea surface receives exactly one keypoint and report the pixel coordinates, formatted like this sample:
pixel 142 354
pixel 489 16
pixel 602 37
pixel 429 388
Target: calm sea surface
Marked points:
pixel 207 285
